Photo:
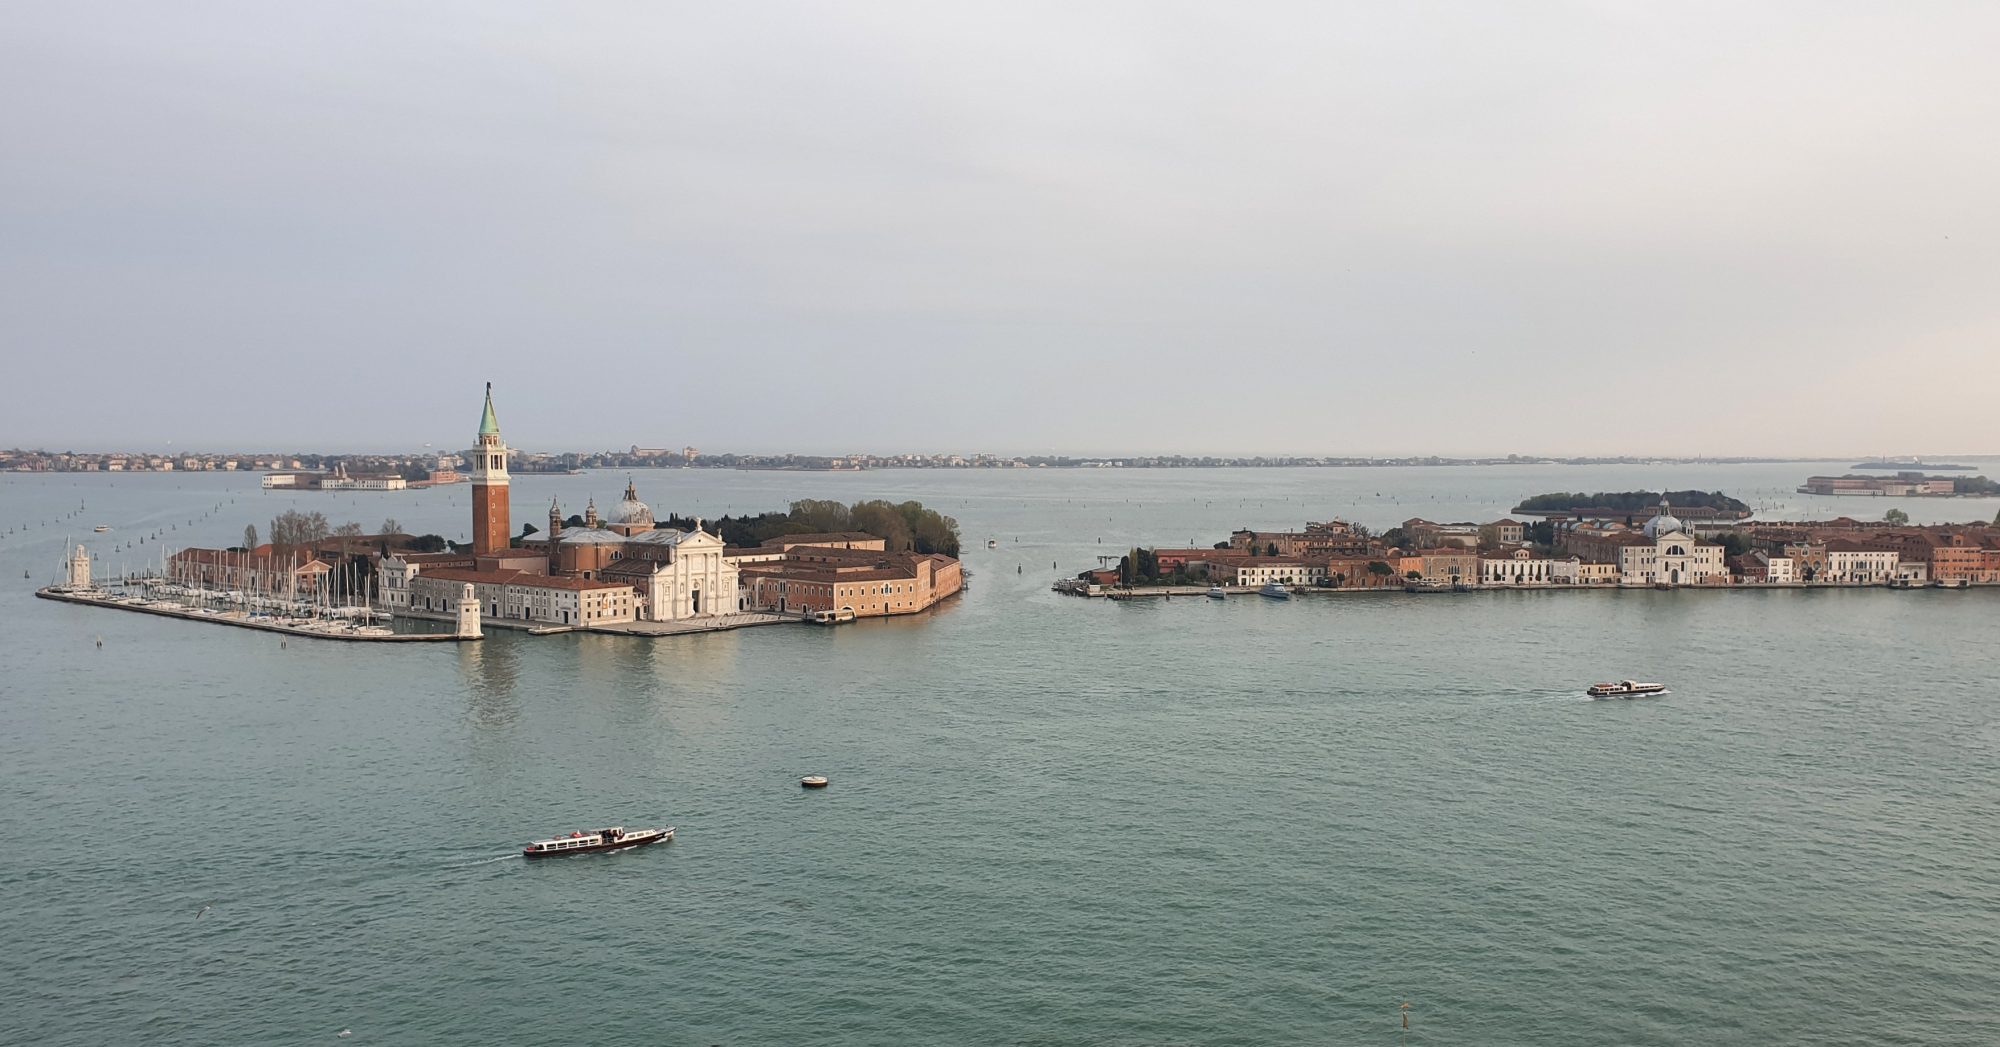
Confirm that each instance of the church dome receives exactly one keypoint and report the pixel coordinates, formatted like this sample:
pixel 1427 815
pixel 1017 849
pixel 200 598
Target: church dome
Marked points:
pixel 632 512
pixel 1664 523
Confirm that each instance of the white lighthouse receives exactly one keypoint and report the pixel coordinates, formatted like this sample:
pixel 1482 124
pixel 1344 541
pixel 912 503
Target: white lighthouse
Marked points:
pixel 79 569
pixel 468 615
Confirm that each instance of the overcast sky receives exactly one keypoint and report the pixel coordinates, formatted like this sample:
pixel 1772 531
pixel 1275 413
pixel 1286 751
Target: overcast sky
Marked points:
pixel 1728 228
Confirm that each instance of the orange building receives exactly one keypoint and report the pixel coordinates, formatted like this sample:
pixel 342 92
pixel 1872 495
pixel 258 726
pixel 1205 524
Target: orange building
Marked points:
pixel 867 582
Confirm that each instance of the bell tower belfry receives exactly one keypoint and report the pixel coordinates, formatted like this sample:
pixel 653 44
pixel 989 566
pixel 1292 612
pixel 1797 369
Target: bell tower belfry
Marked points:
pixel 491 527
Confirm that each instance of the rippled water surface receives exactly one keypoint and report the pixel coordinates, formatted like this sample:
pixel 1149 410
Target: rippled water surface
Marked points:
pixel 1051 820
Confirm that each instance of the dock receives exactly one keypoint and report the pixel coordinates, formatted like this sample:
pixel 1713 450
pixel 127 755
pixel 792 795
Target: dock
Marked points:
pixel 239 619
pixel 719 624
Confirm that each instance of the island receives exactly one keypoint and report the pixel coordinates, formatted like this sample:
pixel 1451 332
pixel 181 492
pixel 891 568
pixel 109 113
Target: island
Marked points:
pixel 1588 541
pixel 621 571
pixel 1607 504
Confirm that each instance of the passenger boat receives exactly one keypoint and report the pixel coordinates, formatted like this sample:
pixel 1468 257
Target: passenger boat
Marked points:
pixel 1216 592
pixel 1626 689
pixel 1275 591
pixel 612 839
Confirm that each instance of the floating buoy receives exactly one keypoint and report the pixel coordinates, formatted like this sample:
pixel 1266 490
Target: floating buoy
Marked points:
pixel 813 781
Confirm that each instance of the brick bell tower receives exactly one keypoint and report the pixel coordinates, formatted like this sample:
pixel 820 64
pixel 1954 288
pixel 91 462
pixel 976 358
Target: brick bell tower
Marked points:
pixel 491 528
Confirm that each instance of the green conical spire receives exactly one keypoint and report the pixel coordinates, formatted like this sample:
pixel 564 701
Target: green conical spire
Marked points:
pixel 489 425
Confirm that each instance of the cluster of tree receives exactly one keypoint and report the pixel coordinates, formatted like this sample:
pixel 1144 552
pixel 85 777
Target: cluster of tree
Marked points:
pixel 292 527
pixel 1142 567
pixel 903 527
pixel 1628 501
pixel 1978 485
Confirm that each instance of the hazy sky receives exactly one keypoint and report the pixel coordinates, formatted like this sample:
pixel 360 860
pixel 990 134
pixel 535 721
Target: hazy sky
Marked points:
pixel 1639 227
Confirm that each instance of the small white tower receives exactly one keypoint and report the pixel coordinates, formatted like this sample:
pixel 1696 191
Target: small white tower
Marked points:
pixel 79 568
pixel 468 614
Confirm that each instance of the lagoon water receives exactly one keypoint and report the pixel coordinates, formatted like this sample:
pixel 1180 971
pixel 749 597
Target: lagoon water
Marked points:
pixel 1051 820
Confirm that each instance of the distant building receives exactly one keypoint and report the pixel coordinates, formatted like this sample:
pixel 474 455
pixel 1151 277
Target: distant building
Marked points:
pixel 524 597
pixel 1521 566
pixel 1669 555
pixel 869 583
pixel 1856 563
pixel 1901 485
pixel 836 540
pixel 1265 570
pixel 1504 532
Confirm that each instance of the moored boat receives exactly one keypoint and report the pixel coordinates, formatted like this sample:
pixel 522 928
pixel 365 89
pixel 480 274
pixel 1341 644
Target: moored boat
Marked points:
pixel 1216 592
pixel 1626 689
pixel 1275 591
pixel 615 838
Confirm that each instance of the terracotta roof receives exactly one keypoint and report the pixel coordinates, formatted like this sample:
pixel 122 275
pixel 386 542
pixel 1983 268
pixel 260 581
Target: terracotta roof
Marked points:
pixel 522 578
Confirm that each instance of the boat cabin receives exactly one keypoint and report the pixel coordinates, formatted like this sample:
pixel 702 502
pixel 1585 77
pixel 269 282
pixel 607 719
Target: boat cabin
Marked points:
pixel 577 841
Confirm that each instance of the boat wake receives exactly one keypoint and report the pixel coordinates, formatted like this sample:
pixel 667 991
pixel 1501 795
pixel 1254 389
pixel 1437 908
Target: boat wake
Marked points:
pixel 485 861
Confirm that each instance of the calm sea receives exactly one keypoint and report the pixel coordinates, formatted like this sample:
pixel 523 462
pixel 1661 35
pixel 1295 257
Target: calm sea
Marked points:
pixel 1051 820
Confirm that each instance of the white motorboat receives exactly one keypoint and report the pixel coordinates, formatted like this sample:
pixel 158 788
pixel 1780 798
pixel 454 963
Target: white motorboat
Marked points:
pixel 612 839
pixel 1626 689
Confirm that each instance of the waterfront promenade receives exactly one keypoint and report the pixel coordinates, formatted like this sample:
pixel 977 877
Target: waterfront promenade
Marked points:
pixel 242 620
pixel 1115 592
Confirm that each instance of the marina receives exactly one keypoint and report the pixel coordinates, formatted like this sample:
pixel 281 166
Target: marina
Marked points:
pixel 308 628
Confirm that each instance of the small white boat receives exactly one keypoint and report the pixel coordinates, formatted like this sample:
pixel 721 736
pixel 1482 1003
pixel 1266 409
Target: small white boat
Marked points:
pixel 1626 689
pixel 813 781
pixel 612 839
pixel 1216 592
pixel 1275 591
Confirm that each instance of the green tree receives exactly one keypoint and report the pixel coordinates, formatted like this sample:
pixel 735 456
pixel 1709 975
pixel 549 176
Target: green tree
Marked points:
pixel 390 526
pixel 1380 569
pixel 1896 518
pixel 884 521
pixel 249 536
pixel 1271 549
pixel 821 516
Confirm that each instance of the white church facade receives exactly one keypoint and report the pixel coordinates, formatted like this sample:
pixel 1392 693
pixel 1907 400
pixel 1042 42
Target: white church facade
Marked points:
pixel 1669 555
